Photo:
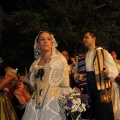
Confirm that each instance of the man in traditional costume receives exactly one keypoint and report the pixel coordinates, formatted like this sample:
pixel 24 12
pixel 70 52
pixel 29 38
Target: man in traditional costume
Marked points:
pixel 100 72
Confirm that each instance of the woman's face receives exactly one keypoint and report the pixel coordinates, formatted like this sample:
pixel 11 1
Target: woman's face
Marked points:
pixel 45 41
pixel 65 54
pixel 114 55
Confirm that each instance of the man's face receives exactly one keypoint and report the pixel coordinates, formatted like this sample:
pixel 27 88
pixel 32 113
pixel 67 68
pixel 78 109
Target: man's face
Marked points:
pixel 22 78
pixel 88 40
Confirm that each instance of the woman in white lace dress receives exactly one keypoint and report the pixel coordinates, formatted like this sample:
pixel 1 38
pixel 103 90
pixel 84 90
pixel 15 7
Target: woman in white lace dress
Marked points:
pixel 44 104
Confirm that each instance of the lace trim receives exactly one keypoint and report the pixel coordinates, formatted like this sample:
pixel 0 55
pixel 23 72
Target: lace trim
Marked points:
pixel 64 86
pixel 58 65
pixel 62 110
pixel 34 69
pixel 56 76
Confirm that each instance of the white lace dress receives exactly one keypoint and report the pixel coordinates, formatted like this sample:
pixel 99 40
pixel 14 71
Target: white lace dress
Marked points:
pixel 54 82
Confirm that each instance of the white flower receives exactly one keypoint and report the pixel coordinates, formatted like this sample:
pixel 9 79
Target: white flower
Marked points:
pixel 83 106
pixel 77 94
pixel 74 108
pixel 71 97
pixel 72 111
pixel 78 100
pixel 74 101
pixel 80 109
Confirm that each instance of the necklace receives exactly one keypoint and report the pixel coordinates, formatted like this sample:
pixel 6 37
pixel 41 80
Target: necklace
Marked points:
pixel 46 59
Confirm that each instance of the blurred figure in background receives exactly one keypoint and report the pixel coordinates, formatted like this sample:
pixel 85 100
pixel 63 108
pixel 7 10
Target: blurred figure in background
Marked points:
pixel 117 62
pixel 115 91
pixel 6 110
pixel 71 63
pixel 20 99
pixel 26 85
pixel 9 90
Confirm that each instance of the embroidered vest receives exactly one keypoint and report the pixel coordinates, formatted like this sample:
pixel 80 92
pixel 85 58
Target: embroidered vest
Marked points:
pixel 98 68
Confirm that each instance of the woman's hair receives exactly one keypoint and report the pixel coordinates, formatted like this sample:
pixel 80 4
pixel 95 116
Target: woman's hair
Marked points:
pixel 41 33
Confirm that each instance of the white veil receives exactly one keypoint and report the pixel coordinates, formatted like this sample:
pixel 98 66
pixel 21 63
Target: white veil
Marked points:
pixel 37 51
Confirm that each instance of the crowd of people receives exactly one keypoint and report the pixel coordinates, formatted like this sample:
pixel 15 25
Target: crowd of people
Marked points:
pixel 35 96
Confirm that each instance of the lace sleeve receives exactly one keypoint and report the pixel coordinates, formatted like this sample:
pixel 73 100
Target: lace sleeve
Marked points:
pixel 65 90
pixel 65 84
pixel 66 80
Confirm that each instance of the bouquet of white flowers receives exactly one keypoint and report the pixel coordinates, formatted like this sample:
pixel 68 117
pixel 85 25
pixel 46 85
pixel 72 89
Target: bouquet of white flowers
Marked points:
pixel 75 103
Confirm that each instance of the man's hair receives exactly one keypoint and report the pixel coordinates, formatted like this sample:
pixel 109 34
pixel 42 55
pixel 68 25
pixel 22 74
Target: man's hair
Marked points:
pixel 91 33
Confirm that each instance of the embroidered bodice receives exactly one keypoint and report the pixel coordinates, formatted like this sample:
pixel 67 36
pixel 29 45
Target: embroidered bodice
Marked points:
pixel 58 65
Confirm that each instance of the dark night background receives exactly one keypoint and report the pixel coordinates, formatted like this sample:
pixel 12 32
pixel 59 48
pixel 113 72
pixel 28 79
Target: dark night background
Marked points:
pixel 21 20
